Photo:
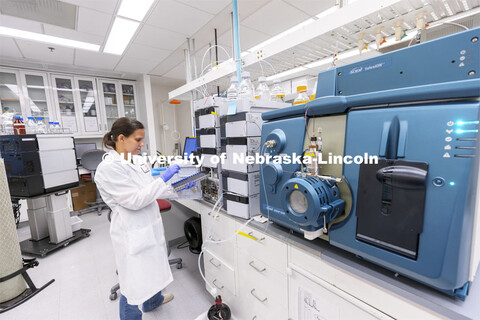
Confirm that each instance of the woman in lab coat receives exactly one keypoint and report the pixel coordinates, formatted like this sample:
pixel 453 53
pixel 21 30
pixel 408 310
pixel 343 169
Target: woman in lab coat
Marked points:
pixel 136 228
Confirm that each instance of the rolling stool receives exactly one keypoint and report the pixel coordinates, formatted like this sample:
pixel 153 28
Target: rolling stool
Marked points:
pixel 164 205
pixel 90 161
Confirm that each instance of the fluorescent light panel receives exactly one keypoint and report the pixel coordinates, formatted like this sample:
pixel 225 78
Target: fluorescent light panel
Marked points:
pixel 134 9
pixel 15 33
pixel 120 35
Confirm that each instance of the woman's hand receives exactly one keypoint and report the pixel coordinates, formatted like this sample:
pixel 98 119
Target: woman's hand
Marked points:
pixel 170 172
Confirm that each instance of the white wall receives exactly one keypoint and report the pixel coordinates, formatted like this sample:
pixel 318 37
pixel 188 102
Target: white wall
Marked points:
pixel 172 122
pixel 178 125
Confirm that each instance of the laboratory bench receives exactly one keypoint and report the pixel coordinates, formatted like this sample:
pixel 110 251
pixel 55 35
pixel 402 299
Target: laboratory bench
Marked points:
pixel 268 272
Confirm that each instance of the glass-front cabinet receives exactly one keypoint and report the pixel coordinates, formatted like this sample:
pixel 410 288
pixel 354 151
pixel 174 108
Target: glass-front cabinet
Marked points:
pixel 11 99
pixel 83 106
pixel 65 102
pixel 76 100
pixel 37 99
pixel 128 95
pixel 89 112
pixel 111 97
pixel 118 98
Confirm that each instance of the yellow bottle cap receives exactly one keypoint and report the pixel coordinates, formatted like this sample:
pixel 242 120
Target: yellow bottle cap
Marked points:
pixel 301 88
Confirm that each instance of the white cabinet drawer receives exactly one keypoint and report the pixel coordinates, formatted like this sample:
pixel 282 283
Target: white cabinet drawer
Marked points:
pixel 220 228
pixel 266 281
pixel 220 269
pixel 222 224
pixel 358 288
pixel 250 307
pixel 221 282
pixel 263 247
pixel 310 300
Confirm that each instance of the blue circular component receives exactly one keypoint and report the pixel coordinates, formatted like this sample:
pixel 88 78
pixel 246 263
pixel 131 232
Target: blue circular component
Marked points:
pixel 272 173
pixel 438 182
pixel 280 139
pixel 307 200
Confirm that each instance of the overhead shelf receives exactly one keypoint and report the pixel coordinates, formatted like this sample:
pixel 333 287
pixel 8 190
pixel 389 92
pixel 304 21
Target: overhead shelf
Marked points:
pixel 312 47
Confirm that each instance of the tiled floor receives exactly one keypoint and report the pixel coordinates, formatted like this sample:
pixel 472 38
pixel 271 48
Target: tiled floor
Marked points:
pixel 84 272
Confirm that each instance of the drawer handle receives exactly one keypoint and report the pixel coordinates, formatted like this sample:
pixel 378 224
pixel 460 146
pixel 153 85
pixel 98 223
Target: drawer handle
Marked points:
pixel 261 300
pixel 215 265
pixel 221 288
pixel 251 235
pixel 253 266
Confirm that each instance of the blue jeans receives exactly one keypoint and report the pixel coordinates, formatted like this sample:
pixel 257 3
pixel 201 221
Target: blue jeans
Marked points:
pixel 131 312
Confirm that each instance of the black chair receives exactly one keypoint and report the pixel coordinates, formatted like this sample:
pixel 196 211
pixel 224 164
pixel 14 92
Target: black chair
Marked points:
pixel 164 205
pixel 90 161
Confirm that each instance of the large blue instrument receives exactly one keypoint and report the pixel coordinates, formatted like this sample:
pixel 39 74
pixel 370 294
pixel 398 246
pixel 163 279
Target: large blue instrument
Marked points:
pixel 415 210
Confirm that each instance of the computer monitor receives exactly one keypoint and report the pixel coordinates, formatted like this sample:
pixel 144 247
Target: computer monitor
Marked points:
pixel 190 146
pixel 81 148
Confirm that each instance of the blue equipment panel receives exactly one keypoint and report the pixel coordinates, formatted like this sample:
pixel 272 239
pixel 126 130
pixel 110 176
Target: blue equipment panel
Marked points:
pixel 417 109
pixel 445 241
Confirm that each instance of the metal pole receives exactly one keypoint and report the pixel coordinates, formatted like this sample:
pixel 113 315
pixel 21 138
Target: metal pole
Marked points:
pixel 236 40
pixel 188 74
pixel 216 57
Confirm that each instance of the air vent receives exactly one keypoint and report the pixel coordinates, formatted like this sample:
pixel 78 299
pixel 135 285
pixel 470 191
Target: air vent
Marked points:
pixel 52 12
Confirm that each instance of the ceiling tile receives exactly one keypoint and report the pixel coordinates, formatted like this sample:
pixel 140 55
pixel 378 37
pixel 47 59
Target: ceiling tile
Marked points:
pixel 93 22
pixel 248 38
pixel 159 38
pixel 164 81
pixel 210 6
pixel 21 24
pixel 72 34
pixel 169 63
pixel 8 48
pixel 135 65
pixel 312 7
pixel 179 17
pixel 138 51
pixel 248 7
pixel 37 51
pixel 96 59
pixel 107 6
pixel 282 14
pixel 177 73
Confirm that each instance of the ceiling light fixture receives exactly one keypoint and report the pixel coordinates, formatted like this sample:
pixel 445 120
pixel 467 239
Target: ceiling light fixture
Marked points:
pixel 120 35
pixel 134 9
pixel 20 34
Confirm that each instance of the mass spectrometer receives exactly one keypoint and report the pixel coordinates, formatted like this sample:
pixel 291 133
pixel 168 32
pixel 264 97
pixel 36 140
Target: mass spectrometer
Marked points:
pixel 401 187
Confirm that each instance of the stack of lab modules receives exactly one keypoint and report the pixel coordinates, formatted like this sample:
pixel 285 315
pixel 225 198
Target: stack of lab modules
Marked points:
pixel 208 145
pixel 40 168
pixel 240 137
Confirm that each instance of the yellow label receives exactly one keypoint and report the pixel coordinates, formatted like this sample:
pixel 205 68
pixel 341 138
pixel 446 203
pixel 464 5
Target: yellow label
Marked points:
pixel 280 96
pixel 310 154
pixel 213 112
pixel 256 97
pixel 296 186
pixel 247 235
pixel 299 102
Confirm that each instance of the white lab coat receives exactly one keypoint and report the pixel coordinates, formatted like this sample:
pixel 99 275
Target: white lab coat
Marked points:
pixel 136 228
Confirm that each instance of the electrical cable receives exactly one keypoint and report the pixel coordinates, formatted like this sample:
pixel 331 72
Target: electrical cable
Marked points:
pixel 218 46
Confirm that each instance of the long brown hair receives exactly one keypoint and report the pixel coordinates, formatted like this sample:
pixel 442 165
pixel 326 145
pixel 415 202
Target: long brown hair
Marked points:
pixel 125 126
